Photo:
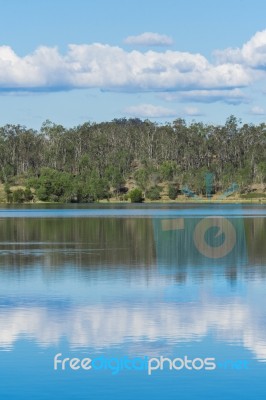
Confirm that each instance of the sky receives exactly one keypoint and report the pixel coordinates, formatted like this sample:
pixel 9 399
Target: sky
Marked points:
pixel 75 61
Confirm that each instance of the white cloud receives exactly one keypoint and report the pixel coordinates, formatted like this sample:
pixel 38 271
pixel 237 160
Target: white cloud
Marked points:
pixel 149 111
pixel 112 68
pixel 149 39
pixel 257 110
pixel 96 325
pixel 192 111
pixel 252 53
pixel 234 96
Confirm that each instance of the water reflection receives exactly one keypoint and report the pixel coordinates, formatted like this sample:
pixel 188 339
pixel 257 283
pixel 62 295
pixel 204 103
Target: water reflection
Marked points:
pixel 99 326
pixel 135 283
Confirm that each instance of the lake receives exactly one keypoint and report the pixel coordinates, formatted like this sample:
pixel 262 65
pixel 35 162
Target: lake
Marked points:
pixel 144 301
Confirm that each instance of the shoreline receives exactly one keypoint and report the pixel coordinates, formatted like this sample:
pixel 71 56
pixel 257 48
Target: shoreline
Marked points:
pixel 172 202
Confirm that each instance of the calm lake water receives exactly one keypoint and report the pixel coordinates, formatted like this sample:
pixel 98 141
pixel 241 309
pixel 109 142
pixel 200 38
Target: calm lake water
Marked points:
pixel 122 285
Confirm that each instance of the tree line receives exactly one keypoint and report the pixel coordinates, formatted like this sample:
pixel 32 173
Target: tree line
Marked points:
pixel 94 161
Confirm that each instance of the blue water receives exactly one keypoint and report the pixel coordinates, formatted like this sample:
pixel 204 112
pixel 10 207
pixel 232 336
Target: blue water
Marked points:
pixel 141 210
pixel 114 282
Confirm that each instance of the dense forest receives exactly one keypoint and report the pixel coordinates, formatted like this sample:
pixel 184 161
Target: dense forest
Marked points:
pixel 97 161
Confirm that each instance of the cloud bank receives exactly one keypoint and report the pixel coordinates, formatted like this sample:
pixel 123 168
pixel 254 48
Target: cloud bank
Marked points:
pixel 112 68
pixel 173 75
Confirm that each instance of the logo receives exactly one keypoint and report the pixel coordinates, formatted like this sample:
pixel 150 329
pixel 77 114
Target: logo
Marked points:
pixel 195 241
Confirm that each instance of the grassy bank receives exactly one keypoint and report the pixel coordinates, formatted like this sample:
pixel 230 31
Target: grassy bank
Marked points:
pixel 248 198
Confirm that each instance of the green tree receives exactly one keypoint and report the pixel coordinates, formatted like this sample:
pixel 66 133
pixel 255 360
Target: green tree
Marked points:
pixel 114 178
pixel 154 193
pixel 8 192
pixel 18 196
pixel 136 195
pixel 28 195
pixel 142 178
pixel 172 192
pixel 168 170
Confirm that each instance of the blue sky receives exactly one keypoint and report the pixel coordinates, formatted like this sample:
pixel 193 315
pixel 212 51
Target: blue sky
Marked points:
pixel 95 60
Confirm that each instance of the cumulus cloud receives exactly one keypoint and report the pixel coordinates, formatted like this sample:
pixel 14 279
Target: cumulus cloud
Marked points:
pixel 176 76
pixel 149 39
pixel 112 68
pixel 252 53
pixel 149 111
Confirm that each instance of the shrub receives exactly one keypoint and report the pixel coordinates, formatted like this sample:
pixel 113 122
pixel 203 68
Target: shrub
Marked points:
pixel 53 185
pixel 153 193
pixel 42 194
pixel 125 197
pixel 172 192
pixel 136 196
pixel 168 170
pixel 94 189
pixel 18 196
pixel 28 196
pixel 9 194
